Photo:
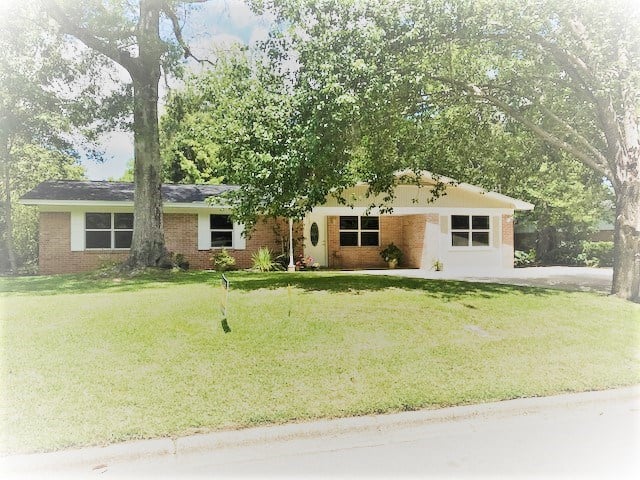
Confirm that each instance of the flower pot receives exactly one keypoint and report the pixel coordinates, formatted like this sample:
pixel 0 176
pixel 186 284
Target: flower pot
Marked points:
pixel 392 263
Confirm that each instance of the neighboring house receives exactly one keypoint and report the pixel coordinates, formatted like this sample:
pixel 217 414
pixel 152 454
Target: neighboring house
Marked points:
pixel 84 224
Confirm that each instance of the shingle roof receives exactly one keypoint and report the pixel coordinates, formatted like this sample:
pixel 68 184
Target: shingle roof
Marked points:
pixel 120 191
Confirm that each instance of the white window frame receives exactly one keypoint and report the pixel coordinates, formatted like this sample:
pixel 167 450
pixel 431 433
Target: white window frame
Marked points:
pixel 230 230
pixel 112 229
pixel 239 242
pixel 470 231
pixel 359 231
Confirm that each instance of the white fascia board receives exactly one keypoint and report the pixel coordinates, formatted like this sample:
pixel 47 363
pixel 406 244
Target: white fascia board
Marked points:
pixel 103 203
pixel 359 211
pixel 74 203
pixel 430 177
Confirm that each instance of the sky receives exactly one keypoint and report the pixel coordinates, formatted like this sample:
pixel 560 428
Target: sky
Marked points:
pixel 217 24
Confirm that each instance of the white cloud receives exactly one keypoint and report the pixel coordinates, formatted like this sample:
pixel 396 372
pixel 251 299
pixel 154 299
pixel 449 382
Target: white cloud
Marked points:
pixel 119 150
pixel 259 34
pixel 241 15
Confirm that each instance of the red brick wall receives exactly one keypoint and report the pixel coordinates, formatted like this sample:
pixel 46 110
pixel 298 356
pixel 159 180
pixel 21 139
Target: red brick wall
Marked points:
pixel 391 230
pixel 55 255
pixel 413 228
pixel 507 230
pixel 181 236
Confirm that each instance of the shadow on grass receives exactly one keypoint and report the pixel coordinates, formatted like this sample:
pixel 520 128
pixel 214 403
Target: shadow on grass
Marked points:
pixel 93 283
pixel 248 281
pixel 356 283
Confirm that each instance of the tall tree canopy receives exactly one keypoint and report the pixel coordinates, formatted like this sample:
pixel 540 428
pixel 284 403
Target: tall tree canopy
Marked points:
pixel 37 121
pixel 143 37
pixel 568 71
pixel 242 122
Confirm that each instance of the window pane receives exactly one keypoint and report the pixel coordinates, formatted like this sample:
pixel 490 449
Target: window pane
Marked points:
pixel 222 222
pixel 221 239
pixel 480 239
pixel 98 220
pixel 348 239
pixel 460 222
pixel 369 239
pixel 123 221
pixel 460 239
pixel 480 223
pixel 370 223
pixel 98 239
pixel 348 223
pixel 123 239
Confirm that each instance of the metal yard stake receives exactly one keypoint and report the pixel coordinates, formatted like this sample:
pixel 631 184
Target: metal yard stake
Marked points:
pixel 223 304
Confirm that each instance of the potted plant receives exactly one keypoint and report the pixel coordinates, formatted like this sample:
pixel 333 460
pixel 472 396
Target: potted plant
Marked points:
pixel 392 255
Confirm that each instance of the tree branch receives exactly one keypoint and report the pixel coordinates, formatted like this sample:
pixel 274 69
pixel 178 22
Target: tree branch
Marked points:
pixel 68 26
pixel 573 132
pixel 541 133
pixel 177 31
pixel 580 70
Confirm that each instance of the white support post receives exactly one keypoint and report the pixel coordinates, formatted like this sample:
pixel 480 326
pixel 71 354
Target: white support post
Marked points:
pixel 292 266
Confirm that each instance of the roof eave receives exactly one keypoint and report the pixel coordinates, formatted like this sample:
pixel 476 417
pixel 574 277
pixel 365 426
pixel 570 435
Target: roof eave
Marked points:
pixel 109 203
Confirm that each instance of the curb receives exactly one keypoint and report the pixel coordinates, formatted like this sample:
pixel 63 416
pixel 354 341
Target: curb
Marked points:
pixel 97 457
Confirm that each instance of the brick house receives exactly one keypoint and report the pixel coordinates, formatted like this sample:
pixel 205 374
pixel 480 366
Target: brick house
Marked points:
pixel 83 224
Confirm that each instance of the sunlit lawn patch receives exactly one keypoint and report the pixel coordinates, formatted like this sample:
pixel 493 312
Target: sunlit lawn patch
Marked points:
pixel 93 361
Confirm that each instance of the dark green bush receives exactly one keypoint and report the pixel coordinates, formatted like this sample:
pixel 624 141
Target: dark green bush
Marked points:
pixel 524 259
pixel 597 254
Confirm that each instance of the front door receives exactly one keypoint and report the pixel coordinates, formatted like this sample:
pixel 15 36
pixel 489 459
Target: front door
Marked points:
pixel 315 238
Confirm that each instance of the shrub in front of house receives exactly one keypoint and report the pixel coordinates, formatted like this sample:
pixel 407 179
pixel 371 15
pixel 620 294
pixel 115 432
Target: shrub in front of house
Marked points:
pixel 222 261
pixel 524 259
pixel 597 254
pixel 391 253
pixel 263 261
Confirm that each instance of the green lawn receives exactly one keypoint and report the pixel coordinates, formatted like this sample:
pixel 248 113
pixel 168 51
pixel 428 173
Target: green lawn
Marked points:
pixel 89 361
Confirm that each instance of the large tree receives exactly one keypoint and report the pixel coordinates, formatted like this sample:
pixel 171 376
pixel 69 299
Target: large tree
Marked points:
pixel 130 35
pixel 566 70
pixel 243 122
pixel 37 122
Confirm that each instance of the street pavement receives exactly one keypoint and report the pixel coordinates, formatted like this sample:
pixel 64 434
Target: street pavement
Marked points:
pixel 587 435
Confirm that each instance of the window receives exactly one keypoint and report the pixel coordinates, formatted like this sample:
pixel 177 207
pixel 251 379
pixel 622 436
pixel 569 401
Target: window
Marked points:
pixel 359 231
pixel 108 230
pixel 314 234
pixel 470 230
pixel 221 227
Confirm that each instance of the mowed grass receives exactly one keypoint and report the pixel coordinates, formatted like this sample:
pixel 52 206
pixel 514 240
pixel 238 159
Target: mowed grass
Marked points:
pixel 89 361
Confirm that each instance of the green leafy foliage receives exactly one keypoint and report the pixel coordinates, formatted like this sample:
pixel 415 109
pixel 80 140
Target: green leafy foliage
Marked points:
pixel 392 81
pixel 222 261
pixel 391 252
pixel 597 254
pixel 37 124
pixel 263 261
pixel 524 259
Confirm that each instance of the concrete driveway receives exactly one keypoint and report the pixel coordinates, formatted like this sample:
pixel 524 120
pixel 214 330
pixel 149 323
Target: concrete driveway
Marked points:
pixel 563 278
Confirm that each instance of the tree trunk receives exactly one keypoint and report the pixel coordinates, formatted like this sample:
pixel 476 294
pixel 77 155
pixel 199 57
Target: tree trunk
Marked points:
pixel 626 262
pixel 8 210
pixel 546 242
pixel 148 246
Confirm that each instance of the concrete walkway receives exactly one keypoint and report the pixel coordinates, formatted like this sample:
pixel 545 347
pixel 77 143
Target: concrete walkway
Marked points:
pixel 563 278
